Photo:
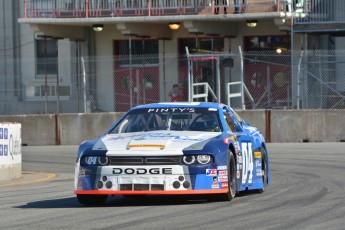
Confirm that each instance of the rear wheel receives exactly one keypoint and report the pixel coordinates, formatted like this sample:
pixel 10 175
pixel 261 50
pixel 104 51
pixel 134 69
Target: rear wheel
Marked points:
pixel 263 170
pixel 92 199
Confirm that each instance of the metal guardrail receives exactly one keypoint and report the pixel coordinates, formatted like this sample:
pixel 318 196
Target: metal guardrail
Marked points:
pixel 118 8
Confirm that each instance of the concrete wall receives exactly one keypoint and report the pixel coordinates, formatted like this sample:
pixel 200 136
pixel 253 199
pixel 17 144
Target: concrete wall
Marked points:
pixel 284 126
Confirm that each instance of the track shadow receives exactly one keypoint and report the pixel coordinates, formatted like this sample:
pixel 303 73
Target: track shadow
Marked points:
pixel 153 200
pixel 116 201
pixel 70 202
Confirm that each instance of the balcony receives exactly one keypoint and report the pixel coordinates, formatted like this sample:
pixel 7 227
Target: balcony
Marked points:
pixel 123 8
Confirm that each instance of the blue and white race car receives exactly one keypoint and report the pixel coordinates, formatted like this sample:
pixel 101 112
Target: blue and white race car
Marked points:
pixel 173 149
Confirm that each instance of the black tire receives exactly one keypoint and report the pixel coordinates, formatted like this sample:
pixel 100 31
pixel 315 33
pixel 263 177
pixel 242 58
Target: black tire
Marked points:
pixel 231 181
pixel 231 178
pixel 92 199
pixel 264 171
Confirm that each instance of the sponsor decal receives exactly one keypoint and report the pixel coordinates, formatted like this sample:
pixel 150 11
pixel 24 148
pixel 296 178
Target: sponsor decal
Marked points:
pixel 222 173
pixel 5 133
pixel 140 171
pixel 5 150
pixel 225 185
pixel 234 138
pixel 153 136
pixel 223 178
pixel 174 110
pixel 240 159
pixel 238 174
pixel 237 147
pixel 226 140
pixel 259 172
pixel 91 160
pixel 257 154
pixel 211 172
pixel 80 185
pixel 215 184
pixel 82 172
pixel 258 163
pixel 146 146
pixel 222 167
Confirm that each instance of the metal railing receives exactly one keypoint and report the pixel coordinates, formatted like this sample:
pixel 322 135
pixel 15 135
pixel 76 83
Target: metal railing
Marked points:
pixel 118 8
pixel 320 11
pixel 204 92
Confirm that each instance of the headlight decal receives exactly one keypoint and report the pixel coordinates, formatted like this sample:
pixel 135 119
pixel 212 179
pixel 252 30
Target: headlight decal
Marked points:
pixel 197 159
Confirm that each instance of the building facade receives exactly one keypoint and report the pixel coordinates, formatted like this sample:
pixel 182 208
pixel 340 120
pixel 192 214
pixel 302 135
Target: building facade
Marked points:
pixel 109 55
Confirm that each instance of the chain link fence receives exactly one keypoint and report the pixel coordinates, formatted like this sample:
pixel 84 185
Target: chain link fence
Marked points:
pixel 315 80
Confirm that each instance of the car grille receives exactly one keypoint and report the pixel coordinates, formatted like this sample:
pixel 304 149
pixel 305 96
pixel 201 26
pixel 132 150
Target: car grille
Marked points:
pixel 166 160
pixel 141 187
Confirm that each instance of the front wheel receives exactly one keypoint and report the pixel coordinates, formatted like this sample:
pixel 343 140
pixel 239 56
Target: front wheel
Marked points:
pixel 231 181
pixel 263 171
pixel 231 177
pixel 92 199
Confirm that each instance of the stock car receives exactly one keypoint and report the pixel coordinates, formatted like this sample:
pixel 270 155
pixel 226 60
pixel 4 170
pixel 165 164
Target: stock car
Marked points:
pixel 195 148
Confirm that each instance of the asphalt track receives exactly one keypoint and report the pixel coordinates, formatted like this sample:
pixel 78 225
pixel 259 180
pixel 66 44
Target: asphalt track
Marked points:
pixel 307 191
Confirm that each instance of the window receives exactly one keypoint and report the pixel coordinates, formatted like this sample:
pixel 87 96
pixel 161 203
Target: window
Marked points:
pixel 144 52
pixel 46 57
pixel 178 119
pixel 38 92
pixel 265 48
pixel 230 122
pixel 205 45
pixel 257 43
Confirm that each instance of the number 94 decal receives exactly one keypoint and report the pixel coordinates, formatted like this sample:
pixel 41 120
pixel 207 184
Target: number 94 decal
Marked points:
pixel 248 166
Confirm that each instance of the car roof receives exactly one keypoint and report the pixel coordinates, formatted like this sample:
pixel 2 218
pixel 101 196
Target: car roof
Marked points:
pixel 181 104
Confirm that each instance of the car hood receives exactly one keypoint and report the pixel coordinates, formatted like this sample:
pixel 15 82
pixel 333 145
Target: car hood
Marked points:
pixel 153 142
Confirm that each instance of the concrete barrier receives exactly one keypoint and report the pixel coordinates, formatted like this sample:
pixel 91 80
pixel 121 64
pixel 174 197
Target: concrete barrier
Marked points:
pixel 75 128
pixel 275 125
pixel 308 126
pixel 36 129
pixel 256 118
pixel 10 151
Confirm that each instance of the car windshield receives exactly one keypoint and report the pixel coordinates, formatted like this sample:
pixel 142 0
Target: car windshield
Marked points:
pixel 179 119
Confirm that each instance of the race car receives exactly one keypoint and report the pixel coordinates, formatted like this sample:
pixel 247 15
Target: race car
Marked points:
pixel 194 148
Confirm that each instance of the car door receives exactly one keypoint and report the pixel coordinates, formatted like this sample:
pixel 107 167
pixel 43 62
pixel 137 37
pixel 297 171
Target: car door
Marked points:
pixel 245 158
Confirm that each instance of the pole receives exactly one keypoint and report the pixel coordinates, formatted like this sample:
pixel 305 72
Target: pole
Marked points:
pixel 84 83
pixel 164 77
pixel 292 59
pixel 45 76
pixel 130 73
pixel 242 82
pixel 218 80
pixel 57 90
pixel 189 75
